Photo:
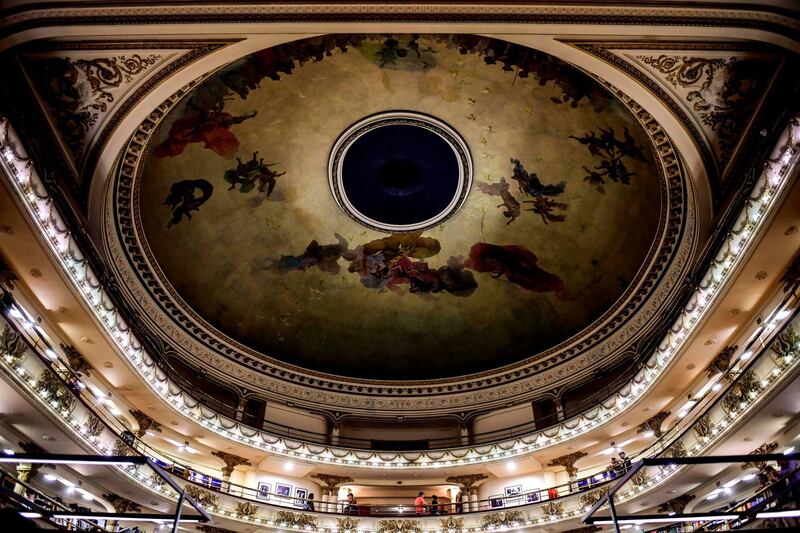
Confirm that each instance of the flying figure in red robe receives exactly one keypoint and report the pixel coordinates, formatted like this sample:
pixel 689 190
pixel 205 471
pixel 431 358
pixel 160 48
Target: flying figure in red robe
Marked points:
pixel 209 126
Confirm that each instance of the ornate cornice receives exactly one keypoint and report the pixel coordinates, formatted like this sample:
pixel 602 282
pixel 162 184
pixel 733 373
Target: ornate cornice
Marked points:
pixel 682 14
pixel 466 481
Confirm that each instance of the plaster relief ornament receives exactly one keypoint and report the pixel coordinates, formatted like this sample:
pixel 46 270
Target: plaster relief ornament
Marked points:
pixel 432 262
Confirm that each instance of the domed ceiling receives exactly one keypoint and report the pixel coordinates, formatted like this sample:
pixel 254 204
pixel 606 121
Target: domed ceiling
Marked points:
pixel 565 211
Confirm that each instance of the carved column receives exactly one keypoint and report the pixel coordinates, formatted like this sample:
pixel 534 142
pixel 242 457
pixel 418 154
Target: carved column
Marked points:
pixel 145 423
pixel 467 484
pixel 332 484
pixel 568 461
pixel 231 461
pixel 26 472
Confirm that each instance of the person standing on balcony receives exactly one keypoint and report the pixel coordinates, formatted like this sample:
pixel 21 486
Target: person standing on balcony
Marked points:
pixel 419 504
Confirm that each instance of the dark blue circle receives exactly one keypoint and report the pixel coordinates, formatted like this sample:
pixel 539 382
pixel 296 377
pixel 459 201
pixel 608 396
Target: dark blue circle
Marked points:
pixel 400 174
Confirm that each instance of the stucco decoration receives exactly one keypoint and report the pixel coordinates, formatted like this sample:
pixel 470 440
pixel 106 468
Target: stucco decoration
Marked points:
pixel 714 89
pixel 86 88
pixel 466 285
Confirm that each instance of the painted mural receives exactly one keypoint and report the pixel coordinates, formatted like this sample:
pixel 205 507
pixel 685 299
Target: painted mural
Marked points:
pixel 238 213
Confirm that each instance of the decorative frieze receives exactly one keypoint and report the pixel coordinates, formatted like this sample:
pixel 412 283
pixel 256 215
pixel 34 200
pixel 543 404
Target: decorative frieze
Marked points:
pixel 399 526
pixel 553 510
pixel 57 394
pixel 588 499
pixel 785 347
pixel 347 524
pixel 296 520
pixel 503 519
pixel 451 524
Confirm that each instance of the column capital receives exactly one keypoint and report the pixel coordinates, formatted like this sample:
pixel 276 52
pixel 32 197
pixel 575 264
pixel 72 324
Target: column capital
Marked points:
pixel 568 461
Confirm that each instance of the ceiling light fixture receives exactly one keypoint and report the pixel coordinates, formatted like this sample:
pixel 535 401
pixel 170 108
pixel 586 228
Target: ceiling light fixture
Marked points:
pixel 746 355
pixel 716 387
pixel 288 467
pixel 50 477
pixel 511 467
pixel 8 451
pixel 27 514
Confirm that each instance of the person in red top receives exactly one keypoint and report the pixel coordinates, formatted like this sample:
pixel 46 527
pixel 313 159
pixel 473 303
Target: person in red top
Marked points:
pixel 419 503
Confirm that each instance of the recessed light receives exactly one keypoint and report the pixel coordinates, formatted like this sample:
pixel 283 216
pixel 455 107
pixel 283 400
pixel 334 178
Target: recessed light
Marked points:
pixel 8 451
pixel 288 467
pixel 511 467
pixel 716 387
pixel 50 477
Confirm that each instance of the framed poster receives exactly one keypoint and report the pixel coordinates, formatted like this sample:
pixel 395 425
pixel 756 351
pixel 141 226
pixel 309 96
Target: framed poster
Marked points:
pixel 300 496
pixel 513 495
pixel 263 491
pixel 496 501
pixel 284 491
pixel 532 496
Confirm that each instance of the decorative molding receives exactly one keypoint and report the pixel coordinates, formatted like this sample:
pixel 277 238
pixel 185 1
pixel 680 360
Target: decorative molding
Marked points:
pixel 399 526
pixel 466 482
pixel 553 509
pixel 82 88
pixel 246 509
pixel 721 362
pixel 122 505
pixel 654 423
pixel 764 449
pixel 785 347
pixel 77 362
pixel 676 449
pixel 231 461
pixel 332 482
pixel 201 496
pixel 503 519
pixel 675 505
pixel 145 423
pixel 295 520
pixel 703 428
pixel 56 392
pixel 568 461
pixel 11 345
pixel 590 498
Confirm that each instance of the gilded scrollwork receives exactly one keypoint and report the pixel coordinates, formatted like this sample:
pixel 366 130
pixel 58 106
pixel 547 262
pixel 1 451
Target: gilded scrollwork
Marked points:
pixel 785 347
pixel 296 520
pixel 399 526
pixel 78 91
pixel 11 345
pixel 722 91
pixel 451 524
pixel 246 509
pixel 766 448
pixel 203 497
pixel 77 362
pixel 503 519
pixel 54 390
pixel 347 524
pixel 654 423
pixel 145 423
pixel 588 499
pixel 553 509
pixel 722 361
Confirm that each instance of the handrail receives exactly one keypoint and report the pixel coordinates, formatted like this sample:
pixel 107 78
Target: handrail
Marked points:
pixel 236 490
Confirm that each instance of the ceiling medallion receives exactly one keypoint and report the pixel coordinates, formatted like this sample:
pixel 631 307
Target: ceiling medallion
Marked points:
pixel 400 171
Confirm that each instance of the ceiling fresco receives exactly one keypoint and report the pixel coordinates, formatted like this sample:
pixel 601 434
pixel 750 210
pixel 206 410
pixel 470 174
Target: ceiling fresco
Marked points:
pixel 239 218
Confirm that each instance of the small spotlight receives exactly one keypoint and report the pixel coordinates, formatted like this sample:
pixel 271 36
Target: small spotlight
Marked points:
pixel 716 387
pixel 788 450
pixel 8 451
